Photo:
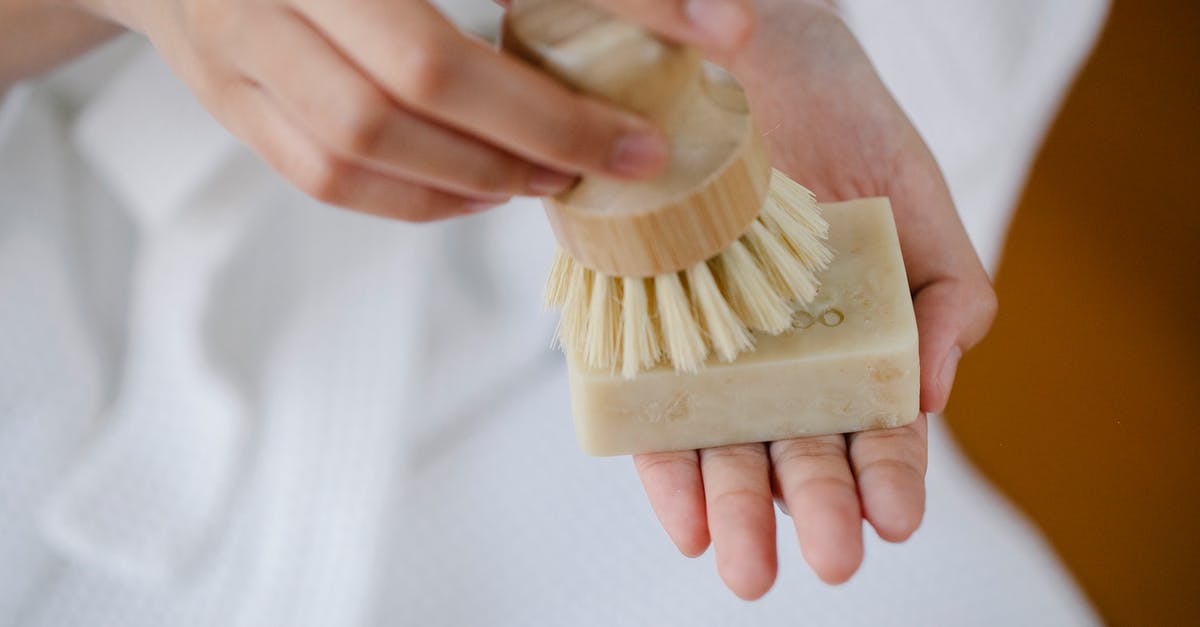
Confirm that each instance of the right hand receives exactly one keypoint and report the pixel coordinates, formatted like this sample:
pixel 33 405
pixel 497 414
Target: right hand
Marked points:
pixel 383 106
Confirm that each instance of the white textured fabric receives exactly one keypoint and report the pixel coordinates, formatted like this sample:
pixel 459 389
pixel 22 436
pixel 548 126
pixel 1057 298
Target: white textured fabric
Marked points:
pixel 222 403
pixel 982 81
pixel 177 433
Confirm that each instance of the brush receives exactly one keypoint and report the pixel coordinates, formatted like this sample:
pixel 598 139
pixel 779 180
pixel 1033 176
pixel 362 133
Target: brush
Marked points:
pixel 717 247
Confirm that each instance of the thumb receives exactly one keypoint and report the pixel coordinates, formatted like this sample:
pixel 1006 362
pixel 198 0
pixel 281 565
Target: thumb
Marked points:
pixel 952 316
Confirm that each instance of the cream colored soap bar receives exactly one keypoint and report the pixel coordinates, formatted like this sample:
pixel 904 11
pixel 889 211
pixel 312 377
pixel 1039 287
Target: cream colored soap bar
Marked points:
pixel 850 363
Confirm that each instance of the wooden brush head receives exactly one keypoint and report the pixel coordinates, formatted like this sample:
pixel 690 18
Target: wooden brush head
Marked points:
pixel 717 174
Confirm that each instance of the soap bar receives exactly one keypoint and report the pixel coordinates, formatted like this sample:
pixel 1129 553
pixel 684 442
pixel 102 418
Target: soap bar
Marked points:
pixel 848 363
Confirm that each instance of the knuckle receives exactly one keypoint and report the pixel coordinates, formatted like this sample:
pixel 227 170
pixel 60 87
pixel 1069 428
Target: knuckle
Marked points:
pixel 426 206
pixel 826 484
pixel 362 126
pixel 211 24
pixel 494 179
pixel 572 144
pixel 900 449
pixel 792 451
pixel 219 93
pixel 894 437
pixel 893 466
pixel 325 180
pixel 741 496
pixel 736 453
pixel 426 69
pixel 655 461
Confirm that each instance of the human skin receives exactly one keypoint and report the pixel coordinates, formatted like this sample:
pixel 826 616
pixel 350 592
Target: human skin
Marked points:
pixel 37 35
pixel 393 112
pixel 384 107
pixel 832 125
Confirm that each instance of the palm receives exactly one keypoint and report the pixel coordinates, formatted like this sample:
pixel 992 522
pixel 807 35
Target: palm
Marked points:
pixel 832 126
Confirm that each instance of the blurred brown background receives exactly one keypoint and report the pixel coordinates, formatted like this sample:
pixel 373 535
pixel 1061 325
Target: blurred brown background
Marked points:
pixel 1084 403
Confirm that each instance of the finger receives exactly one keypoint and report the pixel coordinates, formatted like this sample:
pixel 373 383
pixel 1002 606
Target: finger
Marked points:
pixel 420 59
pixel 716 25
pixel 354 119
pixel 741 516
pixel 676 493
pixel 952 295
pixel 817 486
pixel 889 465
pixel 952 316
pixel 299 159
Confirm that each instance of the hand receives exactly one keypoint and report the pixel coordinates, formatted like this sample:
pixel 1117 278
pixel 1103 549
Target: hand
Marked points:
pixel 385 107
pixel 833 126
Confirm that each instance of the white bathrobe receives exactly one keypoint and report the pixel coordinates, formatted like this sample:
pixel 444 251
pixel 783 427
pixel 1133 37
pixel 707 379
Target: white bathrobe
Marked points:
pixel 222 403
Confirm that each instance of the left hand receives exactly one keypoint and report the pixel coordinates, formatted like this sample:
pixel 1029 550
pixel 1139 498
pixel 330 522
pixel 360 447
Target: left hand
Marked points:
pixel 832 126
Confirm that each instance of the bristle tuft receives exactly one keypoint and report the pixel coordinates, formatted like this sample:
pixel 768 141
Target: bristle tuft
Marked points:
pixel 750 293
pixel 681 334
pixel 788 275
pixel 573 323
pixel 559 281
pixel 600 347
pixel 791 211
pixel 725 330
pixel 639 339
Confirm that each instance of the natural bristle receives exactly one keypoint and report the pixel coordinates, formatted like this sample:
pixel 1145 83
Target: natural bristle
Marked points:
pixel 783 268
pixel 726 332
pixel 639 340
pixel 633 324
pixel 600 337
pixel 791 212
pixel 750 291
pixel 682 338
pixel 577 296
pixel 560 280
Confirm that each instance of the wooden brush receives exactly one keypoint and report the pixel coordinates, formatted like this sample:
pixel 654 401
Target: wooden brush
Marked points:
pixel 692 262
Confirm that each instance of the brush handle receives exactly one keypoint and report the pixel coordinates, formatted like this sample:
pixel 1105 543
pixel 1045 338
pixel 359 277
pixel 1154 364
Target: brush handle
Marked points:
pixel 716 177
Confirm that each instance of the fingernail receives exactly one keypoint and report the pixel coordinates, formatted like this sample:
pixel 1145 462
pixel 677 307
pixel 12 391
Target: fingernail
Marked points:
pixel 722 22
pixel 949 368
pixel 639 154
pixel 544 181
